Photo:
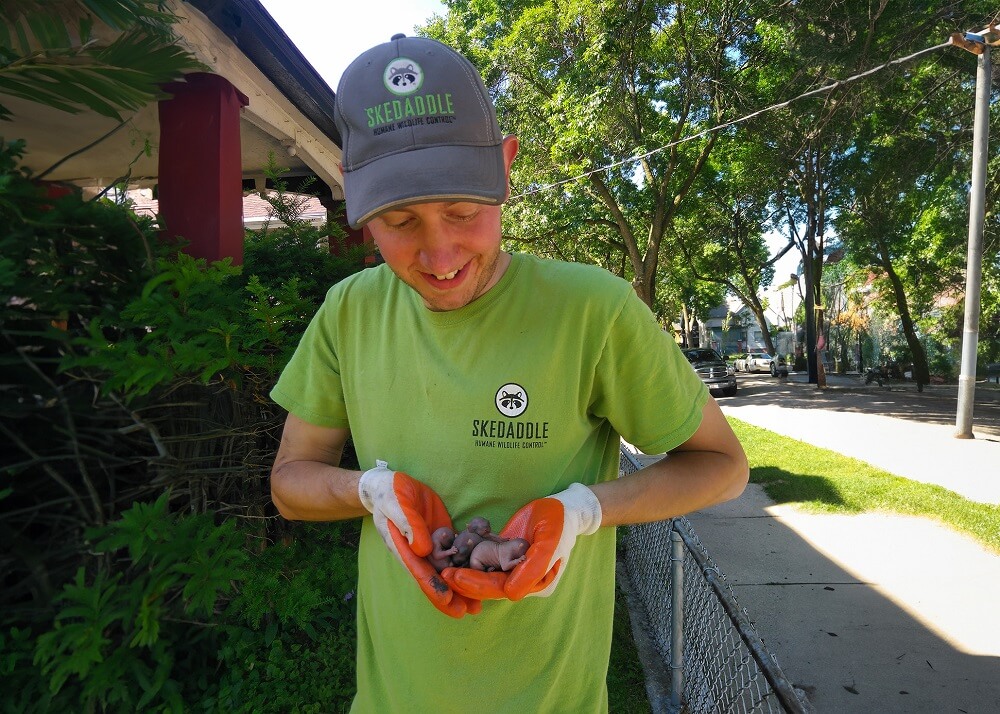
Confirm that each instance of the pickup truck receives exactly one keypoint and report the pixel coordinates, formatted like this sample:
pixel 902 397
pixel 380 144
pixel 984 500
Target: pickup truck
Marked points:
pixel 712 369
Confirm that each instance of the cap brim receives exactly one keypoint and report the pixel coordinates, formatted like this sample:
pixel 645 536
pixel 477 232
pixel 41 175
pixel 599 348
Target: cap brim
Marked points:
pixel 437 173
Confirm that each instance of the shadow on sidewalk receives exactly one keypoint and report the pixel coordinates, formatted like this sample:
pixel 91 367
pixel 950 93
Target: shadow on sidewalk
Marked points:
pixel 831 597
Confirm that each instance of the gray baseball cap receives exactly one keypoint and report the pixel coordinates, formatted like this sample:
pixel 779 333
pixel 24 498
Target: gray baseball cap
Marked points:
pixel 416 124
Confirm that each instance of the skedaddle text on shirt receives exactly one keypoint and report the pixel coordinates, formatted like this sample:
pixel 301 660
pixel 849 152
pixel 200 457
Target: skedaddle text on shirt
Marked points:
pixel 497 429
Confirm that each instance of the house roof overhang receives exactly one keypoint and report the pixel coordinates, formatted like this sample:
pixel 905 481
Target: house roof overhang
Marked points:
pixel 264 43
pixel 289 115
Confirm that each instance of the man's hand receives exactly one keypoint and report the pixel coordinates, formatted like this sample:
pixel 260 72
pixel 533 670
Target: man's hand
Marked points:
pixel 551 525
pixel 406 512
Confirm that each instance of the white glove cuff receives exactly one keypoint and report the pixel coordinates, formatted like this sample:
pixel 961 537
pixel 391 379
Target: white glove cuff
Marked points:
pixel 372 483
pixel 582 505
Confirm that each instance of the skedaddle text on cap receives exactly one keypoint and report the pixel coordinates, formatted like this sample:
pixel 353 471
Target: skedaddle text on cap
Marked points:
pixel 421 105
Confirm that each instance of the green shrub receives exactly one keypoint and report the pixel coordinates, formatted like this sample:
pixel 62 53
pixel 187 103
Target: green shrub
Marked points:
pixel 193 323
pixel 66 456
pixel 295 651
pixel 299 250
pixel 174 614
pixel 137 623
pixel 135 370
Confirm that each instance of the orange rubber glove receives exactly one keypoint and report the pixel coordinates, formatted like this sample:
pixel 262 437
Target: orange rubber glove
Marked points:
pixel 551 525
pixel 406 512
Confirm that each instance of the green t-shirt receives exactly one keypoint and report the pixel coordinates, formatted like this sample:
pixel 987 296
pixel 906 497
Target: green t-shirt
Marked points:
pixel 508 399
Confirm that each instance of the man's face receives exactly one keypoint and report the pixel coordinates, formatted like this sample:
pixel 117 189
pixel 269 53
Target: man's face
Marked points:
pixel 448 252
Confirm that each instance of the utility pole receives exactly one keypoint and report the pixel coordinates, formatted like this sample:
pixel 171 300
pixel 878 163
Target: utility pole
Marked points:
pixel 978 44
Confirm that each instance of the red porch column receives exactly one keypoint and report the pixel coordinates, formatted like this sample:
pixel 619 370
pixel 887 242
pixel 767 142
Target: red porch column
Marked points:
pixel 200 172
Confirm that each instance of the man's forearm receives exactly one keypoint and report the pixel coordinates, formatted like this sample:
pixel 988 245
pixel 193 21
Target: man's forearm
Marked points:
pixel 683 482
pixel 314 491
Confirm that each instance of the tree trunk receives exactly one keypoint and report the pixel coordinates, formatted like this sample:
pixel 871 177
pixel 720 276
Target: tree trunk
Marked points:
pixel 758 312
pixel 921 372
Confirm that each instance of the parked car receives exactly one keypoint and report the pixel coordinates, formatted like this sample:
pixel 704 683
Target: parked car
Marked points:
pixel 753 362
pixel 713 370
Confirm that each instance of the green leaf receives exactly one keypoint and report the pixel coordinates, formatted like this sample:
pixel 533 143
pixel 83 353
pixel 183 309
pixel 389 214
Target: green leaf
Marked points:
pixel 124 75
pixel 49 30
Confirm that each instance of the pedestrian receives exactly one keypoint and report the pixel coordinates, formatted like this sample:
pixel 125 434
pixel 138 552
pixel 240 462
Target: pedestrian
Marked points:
pixel 477 382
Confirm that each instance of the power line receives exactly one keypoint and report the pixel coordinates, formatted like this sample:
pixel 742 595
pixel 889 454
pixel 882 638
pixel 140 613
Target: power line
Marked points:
pixel 780 105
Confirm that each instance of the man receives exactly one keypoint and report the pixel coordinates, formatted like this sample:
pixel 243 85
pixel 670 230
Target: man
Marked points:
pixel 479 383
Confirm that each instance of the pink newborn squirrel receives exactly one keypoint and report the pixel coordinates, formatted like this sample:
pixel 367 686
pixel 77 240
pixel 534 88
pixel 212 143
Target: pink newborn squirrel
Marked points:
pixel 465 542
pixel 443 539
pixel 455 549
pixel 490 555
pixel 481 527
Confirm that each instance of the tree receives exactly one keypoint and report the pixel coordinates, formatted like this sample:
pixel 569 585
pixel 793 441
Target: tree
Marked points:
pixel 903 195
pixel 629 159
pixel 589 85
pixel 807 46
pixel 722 237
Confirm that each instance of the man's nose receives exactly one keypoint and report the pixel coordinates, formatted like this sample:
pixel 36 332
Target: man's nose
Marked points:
pixel 438 250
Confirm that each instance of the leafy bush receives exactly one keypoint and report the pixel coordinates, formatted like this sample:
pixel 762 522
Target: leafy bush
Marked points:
pixel 66 262
pixel 133 370
pixel 200 322
pixel 298 250
pixel 173 612
pixel 193 323
pixel 295 651
pixel 941 361
pixel 118 638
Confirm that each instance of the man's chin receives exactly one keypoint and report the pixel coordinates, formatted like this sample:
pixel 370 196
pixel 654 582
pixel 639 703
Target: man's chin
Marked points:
pixel 446 303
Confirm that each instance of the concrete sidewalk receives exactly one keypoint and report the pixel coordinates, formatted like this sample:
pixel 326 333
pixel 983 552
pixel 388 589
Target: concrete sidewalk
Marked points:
pixel 872 612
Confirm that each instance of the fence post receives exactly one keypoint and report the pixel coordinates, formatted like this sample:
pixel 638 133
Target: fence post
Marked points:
pixel 676 618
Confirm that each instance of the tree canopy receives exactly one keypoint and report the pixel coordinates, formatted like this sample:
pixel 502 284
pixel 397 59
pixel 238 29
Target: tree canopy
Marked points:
pixel 666 141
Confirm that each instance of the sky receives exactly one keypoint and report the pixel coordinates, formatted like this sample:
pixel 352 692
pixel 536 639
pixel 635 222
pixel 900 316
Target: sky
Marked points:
pixel 331 34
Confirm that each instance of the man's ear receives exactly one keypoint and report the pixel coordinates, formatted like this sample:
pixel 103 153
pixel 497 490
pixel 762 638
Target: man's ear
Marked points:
pixel 510 146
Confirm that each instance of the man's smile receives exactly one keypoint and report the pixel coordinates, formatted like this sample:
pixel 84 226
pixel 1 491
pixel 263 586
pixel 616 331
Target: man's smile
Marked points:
pixel 450 280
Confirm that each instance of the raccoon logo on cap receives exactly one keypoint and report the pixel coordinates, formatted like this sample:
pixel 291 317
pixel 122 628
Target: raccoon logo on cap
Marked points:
pixel 403 76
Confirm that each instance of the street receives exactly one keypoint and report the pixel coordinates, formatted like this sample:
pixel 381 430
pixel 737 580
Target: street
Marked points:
pixel 937 404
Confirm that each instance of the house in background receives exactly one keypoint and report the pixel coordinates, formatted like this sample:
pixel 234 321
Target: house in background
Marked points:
pixel 206 146
pixel 731 329
pixel 257 213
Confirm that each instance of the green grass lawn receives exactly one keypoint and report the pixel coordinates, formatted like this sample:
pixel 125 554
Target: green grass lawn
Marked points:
pixel 821 480
pixel 626 682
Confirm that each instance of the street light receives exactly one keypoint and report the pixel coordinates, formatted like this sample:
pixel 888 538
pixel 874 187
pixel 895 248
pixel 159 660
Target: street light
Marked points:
pixel 978 44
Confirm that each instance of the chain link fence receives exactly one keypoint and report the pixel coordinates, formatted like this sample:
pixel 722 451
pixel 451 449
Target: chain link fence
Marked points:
pixel 700 650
